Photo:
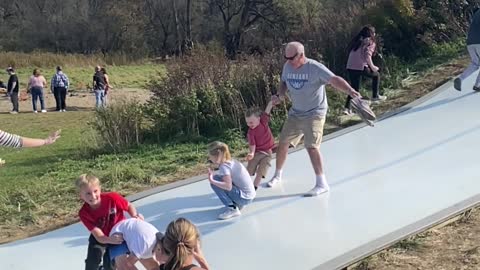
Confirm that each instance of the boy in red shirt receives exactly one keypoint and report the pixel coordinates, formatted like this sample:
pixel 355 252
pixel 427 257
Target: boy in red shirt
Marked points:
pixel 261 142
pixel 99 213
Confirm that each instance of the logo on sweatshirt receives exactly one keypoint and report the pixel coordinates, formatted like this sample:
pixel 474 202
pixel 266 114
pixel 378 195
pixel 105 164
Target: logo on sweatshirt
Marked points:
pixel 297 81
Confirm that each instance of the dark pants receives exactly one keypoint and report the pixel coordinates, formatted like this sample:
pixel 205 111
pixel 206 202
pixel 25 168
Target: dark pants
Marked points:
pixel 14 99
pixel 60 94
pixel 355 77
pixel 95 253
pixel 37 93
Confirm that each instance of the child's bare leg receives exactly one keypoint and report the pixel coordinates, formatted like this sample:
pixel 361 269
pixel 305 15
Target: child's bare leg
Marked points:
pixel 258 179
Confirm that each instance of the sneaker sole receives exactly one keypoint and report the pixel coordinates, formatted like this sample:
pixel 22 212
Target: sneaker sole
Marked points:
pixel 315 195
pixel 457 84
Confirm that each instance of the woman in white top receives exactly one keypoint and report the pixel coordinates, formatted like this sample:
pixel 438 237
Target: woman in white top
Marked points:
pixel 232 184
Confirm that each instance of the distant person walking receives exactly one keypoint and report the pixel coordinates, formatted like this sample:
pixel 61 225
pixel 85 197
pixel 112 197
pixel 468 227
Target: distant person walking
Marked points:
pixel 107 83
pixel 360 64
pixel 36 84
pixel 59 87
pixel 99 87
pixel 473 47
pixel 12 89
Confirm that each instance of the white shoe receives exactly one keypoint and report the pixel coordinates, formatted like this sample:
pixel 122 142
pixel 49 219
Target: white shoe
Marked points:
pixel 34 111
pixel 379 99
pixel 229 213
pixel 13 112
pixel 44 111
pixel 317 190
pixel 64 110
pixel 274 181
pixel 347 111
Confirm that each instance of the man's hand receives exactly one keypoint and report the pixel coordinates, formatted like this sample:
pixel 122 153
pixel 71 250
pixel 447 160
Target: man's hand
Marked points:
pixel 276 100
pixel 250 156
pixel 354 94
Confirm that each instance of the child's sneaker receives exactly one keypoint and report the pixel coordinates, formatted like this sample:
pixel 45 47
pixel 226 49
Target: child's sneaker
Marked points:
pixel 317 190
pixel 44 111
pixel 229 213
pixel 457 84
pixel 274 181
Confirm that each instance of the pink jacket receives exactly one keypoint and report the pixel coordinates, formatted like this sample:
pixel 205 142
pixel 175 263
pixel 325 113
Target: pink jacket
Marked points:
pixel 357 60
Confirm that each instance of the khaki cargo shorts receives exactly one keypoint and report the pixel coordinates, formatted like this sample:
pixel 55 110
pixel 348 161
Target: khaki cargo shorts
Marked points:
pixel 259 164
pixel 311 128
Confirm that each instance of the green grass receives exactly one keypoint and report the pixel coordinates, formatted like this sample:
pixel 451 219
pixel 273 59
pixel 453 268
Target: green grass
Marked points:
pixel 134 76
pixel 36 185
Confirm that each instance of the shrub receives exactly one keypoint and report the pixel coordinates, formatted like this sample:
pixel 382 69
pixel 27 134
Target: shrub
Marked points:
pixel 119 125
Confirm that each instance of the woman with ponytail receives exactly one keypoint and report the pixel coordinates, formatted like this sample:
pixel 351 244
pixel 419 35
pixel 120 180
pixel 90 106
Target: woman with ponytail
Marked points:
pixel 232 184
pixel 180 247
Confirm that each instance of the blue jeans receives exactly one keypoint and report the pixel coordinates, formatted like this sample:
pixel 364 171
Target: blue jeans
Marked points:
pixel 37 93
pixel 229 198
pixel 100 98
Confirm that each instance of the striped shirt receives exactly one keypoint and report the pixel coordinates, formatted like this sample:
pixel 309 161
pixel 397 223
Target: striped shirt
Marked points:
pixel 10 140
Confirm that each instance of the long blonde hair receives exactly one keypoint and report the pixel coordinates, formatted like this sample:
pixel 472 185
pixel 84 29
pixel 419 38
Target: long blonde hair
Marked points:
pixel 179 242
pixel 219 148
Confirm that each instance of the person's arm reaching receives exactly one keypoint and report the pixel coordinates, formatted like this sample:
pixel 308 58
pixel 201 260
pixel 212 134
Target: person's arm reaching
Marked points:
pixel 132 211
pixel 340 84
pixel 282 92
pixel 115 239
pixel 12 140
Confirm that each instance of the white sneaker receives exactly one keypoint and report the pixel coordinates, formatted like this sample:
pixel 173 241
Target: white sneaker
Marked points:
pixel 347 111
pixel 64 110
pixel 44 111
pixel 13 112
pixel 317 190
pixel 274 181
pixel 229 213
pixel 34 111
pixel 378 99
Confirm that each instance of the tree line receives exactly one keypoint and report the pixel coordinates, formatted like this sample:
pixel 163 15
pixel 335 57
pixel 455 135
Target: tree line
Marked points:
pixel 174 27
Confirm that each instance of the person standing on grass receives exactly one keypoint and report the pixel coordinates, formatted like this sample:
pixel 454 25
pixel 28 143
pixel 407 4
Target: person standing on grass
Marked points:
pixel 360 64
pixel 36 84
pixel 473 47
pixel 107 83
pixel 260 141
pixel 232 184
pixel 99 213
pixel 59 87
pixel 12 89
pixel 305 80
pixel 99 87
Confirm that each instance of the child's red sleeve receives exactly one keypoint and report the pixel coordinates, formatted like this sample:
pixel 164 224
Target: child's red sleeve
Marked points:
pixel 264 118
pixel 120 201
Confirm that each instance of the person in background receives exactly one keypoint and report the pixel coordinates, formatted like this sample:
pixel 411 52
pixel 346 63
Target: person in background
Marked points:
pixel 59 87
